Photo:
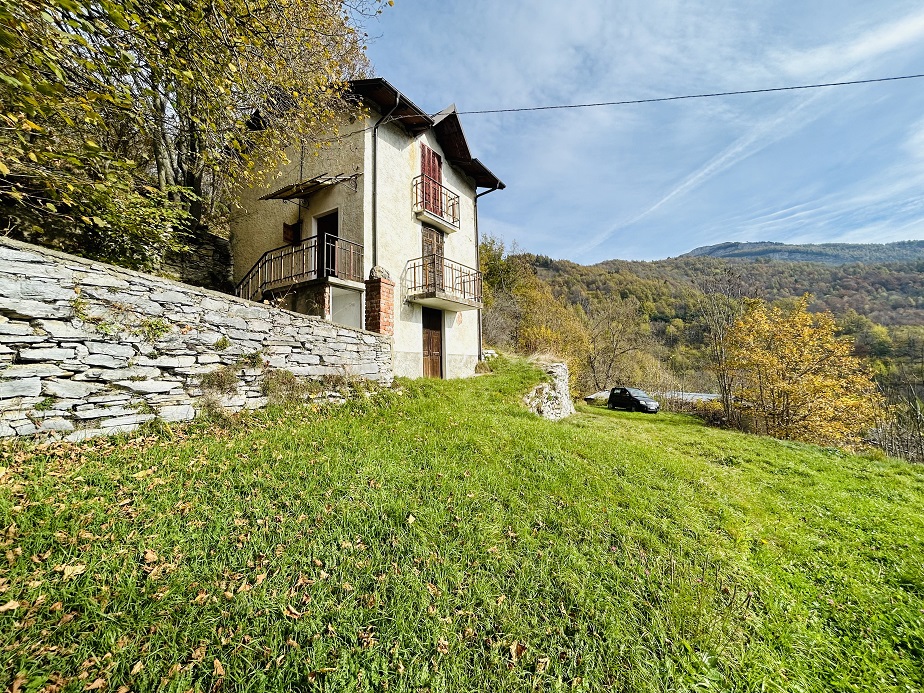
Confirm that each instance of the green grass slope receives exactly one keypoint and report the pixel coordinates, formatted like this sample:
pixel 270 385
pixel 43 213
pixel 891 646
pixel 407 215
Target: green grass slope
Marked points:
pixel 447 540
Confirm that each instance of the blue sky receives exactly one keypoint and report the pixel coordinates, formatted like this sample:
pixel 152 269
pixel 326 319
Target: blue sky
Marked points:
pixel 844 164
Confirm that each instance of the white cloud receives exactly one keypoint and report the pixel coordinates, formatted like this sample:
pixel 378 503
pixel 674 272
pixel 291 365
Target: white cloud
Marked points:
pixel 671 175
pixel 871 44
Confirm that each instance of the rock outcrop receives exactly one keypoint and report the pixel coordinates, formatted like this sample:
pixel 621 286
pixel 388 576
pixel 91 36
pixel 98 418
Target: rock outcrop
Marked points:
pixel 552 400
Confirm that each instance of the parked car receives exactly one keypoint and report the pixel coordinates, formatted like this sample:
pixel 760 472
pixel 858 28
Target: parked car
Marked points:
pixel 632 399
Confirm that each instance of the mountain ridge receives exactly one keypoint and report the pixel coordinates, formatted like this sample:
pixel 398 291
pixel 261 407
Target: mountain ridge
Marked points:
pixel 825 253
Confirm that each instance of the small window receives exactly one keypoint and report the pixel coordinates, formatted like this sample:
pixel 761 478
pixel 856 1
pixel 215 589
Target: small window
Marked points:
pixel 292 233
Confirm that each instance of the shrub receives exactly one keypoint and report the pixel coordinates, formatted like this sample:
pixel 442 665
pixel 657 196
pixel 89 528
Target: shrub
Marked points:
pixel 222 380
pixel 282 387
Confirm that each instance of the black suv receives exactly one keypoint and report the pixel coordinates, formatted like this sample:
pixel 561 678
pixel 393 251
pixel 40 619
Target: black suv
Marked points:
pixel 632 399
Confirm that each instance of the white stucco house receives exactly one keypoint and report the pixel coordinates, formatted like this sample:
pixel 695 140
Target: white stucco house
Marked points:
pixel 379 230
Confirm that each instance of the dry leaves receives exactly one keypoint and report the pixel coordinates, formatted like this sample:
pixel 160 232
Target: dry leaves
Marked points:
pixel 516 650
pixel 9 606
pixel 71 571
pixel 219 669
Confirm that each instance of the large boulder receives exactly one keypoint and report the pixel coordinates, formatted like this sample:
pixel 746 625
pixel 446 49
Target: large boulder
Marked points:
pixel 552 400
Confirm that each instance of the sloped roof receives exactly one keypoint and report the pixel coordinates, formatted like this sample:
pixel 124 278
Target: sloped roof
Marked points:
pixel 446 125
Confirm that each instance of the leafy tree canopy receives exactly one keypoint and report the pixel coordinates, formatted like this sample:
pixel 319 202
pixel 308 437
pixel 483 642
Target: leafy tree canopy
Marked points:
pixel 796 378
pixel 122 124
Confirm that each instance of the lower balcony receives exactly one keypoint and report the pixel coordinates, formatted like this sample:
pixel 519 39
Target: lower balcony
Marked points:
pixel 436 282
pixel 290 266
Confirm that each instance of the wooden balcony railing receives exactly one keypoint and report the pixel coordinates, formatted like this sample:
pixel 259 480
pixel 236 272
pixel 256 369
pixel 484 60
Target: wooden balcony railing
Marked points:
pixel 295 264
pixel 433 274
pixel 431 196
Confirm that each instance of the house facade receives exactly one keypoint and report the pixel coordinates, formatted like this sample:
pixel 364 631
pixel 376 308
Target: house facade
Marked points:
pixel 377 231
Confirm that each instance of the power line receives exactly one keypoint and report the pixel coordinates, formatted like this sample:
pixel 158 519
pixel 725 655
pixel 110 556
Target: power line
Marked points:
pixel 691 96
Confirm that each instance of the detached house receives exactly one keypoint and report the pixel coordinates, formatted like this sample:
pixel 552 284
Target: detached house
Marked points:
pixel 379 231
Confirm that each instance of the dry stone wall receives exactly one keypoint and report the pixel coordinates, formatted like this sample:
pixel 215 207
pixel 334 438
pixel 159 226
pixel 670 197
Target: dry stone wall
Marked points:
pixel 89 349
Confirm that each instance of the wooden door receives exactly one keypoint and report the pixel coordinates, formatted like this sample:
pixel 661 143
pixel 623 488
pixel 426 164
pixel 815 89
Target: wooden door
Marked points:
pixel 328 228
pixel 432 243
pixel 431 166
pixel 432 343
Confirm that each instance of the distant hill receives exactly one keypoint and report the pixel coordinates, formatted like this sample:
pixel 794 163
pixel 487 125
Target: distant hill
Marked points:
pixel 826 253
pixel 890 293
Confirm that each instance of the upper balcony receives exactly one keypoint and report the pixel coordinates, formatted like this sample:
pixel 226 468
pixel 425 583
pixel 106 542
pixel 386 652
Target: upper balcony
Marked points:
pixel 437 282
pixel 436 204
pixel 294 265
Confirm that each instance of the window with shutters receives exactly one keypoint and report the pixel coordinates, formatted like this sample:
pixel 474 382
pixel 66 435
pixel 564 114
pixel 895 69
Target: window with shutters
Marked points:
pixel 433 201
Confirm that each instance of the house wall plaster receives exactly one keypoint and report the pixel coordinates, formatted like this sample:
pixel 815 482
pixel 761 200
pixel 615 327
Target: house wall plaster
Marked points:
pixel 257 226
pixel 400 240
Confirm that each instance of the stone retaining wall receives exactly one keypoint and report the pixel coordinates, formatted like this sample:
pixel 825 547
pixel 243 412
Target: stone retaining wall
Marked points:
pixel 88 349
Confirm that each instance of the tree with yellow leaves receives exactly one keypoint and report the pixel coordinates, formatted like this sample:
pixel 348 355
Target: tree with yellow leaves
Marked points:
pixel 796 379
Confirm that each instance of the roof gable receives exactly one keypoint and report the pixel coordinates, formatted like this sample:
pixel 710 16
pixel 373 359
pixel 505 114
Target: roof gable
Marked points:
pixel 445 124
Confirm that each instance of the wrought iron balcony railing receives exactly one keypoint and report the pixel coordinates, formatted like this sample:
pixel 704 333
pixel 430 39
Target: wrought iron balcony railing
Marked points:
pixel 435 276
pixel 430 196
pixel 296 264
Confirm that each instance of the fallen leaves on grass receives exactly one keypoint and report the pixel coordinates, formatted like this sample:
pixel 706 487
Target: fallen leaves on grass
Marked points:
pixel 219 669
pixel 291 612
pixel 516 650
pixel 9 606
pixel 71 571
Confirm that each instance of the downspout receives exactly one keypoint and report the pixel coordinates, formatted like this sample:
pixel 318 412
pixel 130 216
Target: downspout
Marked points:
pixel 478 265
pixel 375 168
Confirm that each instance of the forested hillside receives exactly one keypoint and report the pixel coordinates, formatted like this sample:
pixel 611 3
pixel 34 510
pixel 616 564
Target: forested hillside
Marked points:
pixel 828 253
pixel 685 325
pixel 887 293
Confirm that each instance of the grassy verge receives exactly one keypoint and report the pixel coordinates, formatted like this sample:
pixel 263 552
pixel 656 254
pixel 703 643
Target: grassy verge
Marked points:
pixel 445 539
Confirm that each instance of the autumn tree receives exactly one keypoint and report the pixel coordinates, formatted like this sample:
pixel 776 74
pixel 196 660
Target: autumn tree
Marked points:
pixel 522 313
pixel 125 123
pixel 618 332
pixel 796 378
pixel 720 305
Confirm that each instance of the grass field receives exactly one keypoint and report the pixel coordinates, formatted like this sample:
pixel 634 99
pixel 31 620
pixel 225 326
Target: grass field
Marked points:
pixel 444 539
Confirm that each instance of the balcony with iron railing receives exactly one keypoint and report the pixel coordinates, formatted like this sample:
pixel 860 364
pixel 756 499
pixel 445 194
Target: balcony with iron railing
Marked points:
pixel 292 265
pixel 436 282
pixel 436 204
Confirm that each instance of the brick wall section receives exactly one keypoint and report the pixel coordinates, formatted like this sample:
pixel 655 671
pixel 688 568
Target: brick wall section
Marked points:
pixel 87 348
pixel 380 306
